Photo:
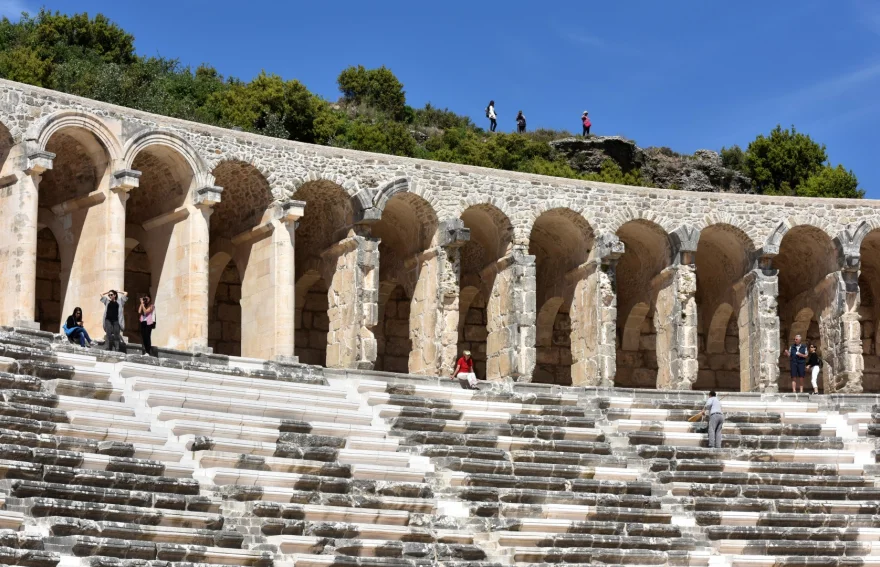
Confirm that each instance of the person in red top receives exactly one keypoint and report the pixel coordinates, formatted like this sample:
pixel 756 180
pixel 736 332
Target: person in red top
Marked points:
pixel 585 119
pixel 464 368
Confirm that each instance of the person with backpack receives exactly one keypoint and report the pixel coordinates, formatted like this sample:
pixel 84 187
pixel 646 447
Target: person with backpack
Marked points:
pixel 114 319
pixel 814 364
pixel 520 123
pixel 585 120
pixel 490 114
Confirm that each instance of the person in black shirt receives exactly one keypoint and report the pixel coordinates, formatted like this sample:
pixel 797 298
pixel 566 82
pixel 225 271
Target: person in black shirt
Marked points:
pixel 75 329
pixel 520 123
pixel 814 364
pixel 114 318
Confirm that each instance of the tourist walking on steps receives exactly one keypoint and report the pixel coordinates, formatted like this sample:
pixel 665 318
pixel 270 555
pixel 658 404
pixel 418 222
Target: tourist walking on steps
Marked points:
pixel 585 120
pixel 114 318
pixel 814 364
pixel 75 330
pixel 147 316
pixel 490 114
pixel 797 353
pixel 520 123
pixel 464 368
pixel 716 419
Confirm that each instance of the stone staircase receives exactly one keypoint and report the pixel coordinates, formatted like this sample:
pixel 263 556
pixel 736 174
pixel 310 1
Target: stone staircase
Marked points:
pixel 109 460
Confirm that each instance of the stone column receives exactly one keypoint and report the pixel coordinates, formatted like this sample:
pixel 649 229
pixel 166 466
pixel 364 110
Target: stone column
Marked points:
pixel 19 201
pixel 676 317
pixel 267 291
pixel 841 332
pixel 434 312
pixel 758 293
pixel 594 317
pixel 512 315
pixel 353 265
pixel 182 290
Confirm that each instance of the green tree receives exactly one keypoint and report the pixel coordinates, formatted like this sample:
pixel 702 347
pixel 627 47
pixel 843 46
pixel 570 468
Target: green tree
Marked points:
pixel 733 158
pixel 831 182
pixel 780 162
pixel 378 88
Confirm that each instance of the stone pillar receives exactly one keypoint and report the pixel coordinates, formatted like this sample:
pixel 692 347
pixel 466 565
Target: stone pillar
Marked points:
pixel 758 293
pixel 841 332
pixel 267 289
pixel 353 298
pixel 180 238
pixel 510 347
pixel 676 316
pixel 434 312
pixel 594 317
pixel 95 227
pixel 19 201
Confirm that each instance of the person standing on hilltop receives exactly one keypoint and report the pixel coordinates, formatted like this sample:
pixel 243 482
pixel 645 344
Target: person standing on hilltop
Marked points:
pixel 520 123
pixel 490 114
pixel 585 120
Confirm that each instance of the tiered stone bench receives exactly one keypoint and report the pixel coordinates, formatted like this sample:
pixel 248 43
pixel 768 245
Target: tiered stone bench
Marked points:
pixel 113 460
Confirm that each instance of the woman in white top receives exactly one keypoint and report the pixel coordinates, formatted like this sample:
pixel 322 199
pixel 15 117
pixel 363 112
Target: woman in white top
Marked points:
pixel 490 114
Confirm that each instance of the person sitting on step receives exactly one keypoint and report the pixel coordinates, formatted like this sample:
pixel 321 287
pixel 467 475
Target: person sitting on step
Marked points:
pixel 464 368
pixel 75 330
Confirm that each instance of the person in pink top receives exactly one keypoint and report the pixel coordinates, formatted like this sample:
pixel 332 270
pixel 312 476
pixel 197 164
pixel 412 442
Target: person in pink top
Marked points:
pixel 147 316
pixel 464 368
pixel 585 119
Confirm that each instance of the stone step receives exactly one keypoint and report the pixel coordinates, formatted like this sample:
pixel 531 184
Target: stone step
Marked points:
pixel 376 531
pixel 225 476
pixel 270 456
pixel 86 390
pixel 501 468
pixel 124 496
pixel 66 526
pixel 500 455
pixel 773 479
pixel 793 533
pixel 587 540
pixel 735 441
pixel 472 405
pixel 728 466
pixel 92 461
pixel 258 429
pixel 801 561
pixel 549 483
pixel 486 428
pixel 229 377
pixel 589 527
pixel 774 519
pixel 513 420
pixel 304 446
pixel 777 429
pixel 733 406
pixel 79 444
pixel 775 491
pixel 315 560
pixel 611 494
pixel 88 546
pixel 28 557
pixel 58 474
pixel 679 415
pixel 346 504
pixel 786 506
pixel 250 389
pixel 10 381
pixel 598 555
pixel 313 491
pixel 503 442
pixel 575 514
pixel 454 392
pixel 305 411
pixel 796 547
pixel 215 459
pixel 767 455
pixel 10 520
pixel 323 513
pixel 100 511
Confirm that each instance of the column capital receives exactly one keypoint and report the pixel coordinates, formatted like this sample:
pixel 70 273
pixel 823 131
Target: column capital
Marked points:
pixel 608 249
pixel 207 196
pixel 124 180
pixel 453 234
pixel 684 241
pixel 290 211
pixel 38 162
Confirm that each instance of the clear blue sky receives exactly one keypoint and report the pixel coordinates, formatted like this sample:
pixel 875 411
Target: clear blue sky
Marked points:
pixel 683 74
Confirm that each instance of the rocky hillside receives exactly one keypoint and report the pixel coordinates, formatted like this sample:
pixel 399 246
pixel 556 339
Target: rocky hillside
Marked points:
pixel 660 167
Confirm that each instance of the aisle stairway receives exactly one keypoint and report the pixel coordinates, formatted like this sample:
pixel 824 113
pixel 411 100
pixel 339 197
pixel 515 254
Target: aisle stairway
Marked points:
pixel 112 460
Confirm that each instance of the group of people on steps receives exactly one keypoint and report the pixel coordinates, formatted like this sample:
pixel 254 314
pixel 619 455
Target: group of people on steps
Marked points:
pixel 492 115
pixel 114 322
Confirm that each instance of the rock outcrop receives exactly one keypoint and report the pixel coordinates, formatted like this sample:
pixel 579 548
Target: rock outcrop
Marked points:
pixel 702 171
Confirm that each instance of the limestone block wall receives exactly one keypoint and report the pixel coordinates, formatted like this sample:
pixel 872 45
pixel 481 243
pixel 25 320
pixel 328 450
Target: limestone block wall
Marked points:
pixel 224 321
pixel 105 180
pixel 48 284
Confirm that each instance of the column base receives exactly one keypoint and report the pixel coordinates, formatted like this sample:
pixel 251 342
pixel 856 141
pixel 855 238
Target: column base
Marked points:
pixel 25 324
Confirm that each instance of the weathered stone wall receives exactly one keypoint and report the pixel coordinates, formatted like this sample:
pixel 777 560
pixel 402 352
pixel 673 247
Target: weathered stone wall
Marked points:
pixel 393 343
pixel 224 322
pixel 138 280
pixel 473 334
pixel 48 286
pixel 310 339
pixel 105 179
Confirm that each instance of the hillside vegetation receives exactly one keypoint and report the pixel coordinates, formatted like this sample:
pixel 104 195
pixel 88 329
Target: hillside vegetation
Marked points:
pixel 94 58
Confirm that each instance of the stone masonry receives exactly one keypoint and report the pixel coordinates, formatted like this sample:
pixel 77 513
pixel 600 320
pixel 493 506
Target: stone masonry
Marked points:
pixel 571 282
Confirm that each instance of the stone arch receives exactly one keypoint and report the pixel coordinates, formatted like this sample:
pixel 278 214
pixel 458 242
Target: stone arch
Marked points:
pixel 622 216
pixel 808 263
pixel 246 198
pixel 406 231
pixel 774 240
pixel 641 275
pixel 42 131
pixel 561 241
pixel 490 199
pixel 7 142
pixel 869 301
pixel 361 199
pixel 725 255
pixel 145 139
pixel 732 222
